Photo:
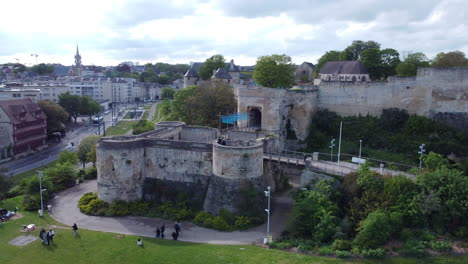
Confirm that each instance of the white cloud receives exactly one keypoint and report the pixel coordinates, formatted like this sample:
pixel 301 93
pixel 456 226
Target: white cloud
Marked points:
pixel 111 31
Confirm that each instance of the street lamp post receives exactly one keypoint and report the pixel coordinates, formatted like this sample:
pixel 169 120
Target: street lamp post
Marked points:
pixel 339 143
pixel 268 194
pixel 360 148
pixel 40 190
pixel 421 152
pixel 332 145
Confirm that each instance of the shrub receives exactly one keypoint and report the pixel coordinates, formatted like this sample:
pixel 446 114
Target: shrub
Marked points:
pixel 373 231
pixel 184 214
pixel 373 253
pixel 342 254
pixel 118 208
pixel 341 244
pixel 227 216
pixel 413 248
pixel 90 173
pixel 305 247
pixel 138 208
pixel 208 222
pixel 220 224
pixel 86 198
pixel 462 232
pixel 326 251
pixel 427 236
pixel 31 202
pixel 440 246
pixel 201 217
pixel 93 207
pixel 241 222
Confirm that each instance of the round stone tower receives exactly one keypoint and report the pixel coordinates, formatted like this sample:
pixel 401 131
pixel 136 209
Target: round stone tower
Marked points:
pixel 237 166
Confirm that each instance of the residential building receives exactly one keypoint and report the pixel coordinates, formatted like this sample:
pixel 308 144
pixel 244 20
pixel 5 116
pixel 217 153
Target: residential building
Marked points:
pixel 23 126
pixel 344 71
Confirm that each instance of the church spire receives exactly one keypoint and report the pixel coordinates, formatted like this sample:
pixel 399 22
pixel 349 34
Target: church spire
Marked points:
pixel 77 57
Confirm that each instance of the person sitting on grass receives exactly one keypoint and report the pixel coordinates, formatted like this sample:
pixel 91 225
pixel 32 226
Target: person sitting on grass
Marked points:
pixel 140 242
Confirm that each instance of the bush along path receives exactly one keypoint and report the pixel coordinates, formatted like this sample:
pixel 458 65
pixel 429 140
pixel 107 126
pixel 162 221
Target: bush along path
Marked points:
pixel 65 210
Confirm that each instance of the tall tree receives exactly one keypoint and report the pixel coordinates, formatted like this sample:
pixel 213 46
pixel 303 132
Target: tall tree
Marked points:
pixel 88 106
pixel 167 93
pixel 274 71
pixel 331 55
pixel 211 99
pixel 390 58
pixel 86 147
pixel 43 68
pixel 211 64
pixel 181 108
pixel 450 59
pixel 5 184
pixel 56 115
pixel 409 67
pixel 71 103
pixel 372 60
pixel 353 51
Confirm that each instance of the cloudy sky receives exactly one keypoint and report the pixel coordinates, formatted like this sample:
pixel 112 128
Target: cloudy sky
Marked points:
pixel 180 31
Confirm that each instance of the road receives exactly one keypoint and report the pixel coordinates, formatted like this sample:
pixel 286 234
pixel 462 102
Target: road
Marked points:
pixel 40 158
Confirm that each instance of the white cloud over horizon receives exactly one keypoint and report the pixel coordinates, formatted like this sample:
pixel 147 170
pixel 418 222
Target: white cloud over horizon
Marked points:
pixel 111 31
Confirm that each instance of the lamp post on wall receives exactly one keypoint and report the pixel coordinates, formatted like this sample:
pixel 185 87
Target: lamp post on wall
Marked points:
pixel 268 194
pixel 421 152
pixel 360 148
pixel 339 142
pixel 41 213
pixel 332 145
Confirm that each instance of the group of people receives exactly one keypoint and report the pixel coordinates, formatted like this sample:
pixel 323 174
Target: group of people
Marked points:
pixel 175 234
pixel 47 237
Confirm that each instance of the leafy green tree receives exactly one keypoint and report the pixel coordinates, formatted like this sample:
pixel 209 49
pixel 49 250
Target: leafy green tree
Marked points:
pixel 443 200
pixel 433 161
pixel 181 107
pixel 5 185
pixel 374 231
pixel 71 103
pixel 85 147
pixel 67 157
pixel 450 59
pixel 371 58
pixel 418 125
pixel 211 64
pixel 167 93
pixel 389 58
pixel 275 71
pixel 314 214
pixel 88 106
pixel 61 176
pixel 353 51
pixel 209 100
pixel 56 115
pixel 331 55
pixel 409 67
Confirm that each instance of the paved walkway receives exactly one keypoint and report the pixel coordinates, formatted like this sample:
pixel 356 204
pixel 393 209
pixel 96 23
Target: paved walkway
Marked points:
pixel 151 112
pixel 65 210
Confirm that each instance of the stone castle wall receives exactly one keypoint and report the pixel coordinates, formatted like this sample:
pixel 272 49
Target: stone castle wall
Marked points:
pixel 438 93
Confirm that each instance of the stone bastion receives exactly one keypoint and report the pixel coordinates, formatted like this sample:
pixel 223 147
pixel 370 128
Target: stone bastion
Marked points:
pixel 175 161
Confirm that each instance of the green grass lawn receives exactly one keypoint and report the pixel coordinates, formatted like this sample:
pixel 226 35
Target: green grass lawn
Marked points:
pixel 145 115
pixel 146 107
pixel 28 174
pixel 120 129
pixel 158 117
pixel 127 115
pixel 100 247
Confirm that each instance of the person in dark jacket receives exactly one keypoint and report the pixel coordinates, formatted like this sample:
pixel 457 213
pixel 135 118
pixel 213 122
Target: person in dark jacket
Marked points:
pixel 158 232
pixel 163 228
pixel 75 229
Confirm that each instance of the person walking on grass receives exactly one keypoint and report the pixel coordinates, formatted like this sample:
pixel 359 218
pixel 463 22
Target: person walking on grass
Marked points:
pixel 51 234
pixel 75 229
pixel 158 232
pixel 177 228
pixel 48 237
pixel 163 228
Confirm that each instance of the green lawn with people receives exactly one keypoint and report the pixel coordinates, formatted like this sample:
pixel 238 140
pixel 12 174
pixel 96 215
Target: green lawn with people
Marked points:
pixel 101 247
pixel 121 128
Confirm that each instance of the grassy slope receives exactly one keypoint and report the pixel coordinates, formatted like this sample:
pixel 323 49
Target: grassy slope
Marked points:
pixel 158 117
pixel 28 174
pixel 145 115
pixel 120 129
pixel 99 247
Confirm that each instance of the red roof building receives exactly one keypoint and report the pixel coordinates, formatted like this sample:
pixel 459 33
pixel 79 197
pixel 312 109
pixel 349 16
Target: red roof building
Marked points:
pixel 23 127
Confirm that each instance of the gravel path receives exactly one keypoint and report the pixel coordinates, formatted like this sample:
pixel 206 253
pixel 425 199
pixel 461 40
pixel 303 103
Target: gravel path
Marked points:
pixel 65 210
